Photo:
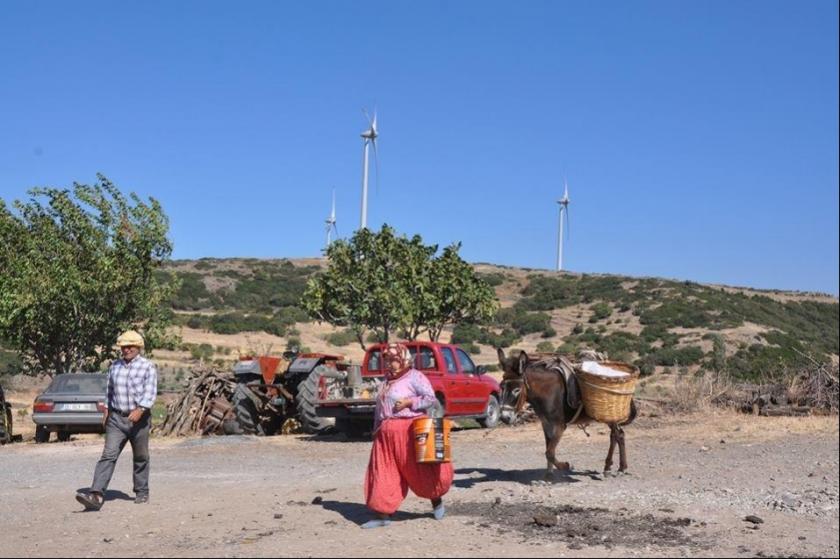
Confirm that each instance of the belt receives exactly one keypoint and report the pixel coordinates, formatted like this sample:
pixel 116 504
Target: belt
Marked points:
pixel 119 412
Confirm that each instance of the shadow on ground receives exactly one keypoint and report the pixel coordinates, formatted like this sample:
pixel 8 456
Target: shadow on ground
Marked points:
pixel 525 477
pixel 359 513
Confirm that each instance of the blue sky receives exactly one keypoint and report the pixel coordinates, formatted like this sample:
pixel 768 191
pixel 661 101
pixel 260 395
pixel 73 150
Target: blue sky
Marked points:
pixel 699 139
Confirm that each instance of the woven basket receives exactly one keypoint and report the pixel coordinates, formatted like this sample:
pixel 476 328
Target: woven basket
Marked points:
pixel 607 399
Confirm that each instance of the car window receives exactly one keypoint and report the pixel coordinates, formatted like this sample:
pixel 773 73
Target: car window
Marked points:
pixel 74 384
pixel 426 360
pixel 374 363
pixel 466 363
pixel 449 359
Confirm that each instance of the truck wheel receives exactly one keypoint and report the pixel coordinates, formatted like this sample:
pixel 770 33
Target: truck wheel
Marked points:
pixel 438 409
pixel 42 434
pixel 63 436
pixel 307 396
pixel 246 410
pixel 491 414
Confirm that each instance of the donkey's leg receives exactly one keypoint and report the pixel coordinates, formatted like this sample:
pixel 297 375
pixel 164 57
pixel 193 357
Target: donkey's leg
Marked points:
pixel 622 453
pixel 613 441
pixel 551 451
pixel 548 431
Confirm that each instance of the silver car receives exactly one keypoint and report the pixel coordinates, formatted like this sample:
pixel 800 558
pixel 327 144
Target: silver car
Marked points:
pixel 73 403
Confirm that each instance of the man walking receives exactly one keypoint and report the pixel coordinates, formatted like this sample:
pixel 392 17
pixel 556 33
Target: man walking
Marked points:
pixel 132 389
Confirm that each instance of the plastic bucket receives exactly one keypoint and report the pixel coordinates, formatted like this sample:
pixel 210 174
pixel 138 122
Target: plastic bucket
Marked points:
pixel 431 440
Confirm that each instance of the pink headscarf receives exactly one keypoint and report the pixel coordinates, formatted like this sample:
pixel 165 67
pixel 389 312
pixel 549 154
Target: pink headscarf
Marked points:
pixel 396 352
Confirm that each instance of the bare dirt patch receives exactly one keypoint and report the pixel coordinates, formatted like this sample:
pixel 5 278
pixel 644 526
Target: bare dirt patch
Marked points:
pixel 584 526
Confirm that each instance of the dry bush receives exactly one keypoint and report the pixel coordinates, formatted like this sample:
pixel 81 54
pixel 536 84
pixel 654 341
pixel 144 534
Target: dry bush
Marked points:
pixel 698 391
pixel 803 391
pixel 816 387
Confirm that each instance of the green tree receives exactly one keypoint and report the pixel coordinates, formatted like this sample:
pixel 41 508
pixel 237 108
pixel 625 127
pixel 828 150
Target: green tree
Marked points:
pixel 386 284
pixel 453 294
pixel 79 267
pixel 361 287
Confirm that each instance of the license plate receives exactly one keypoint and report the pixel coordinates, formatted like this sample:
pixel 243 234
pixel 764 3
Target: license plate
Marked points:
pixel 78 407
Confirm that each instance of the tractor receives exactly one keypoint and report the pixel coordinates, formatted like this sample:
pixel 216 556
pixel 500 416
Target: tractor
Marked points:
pixel 278 395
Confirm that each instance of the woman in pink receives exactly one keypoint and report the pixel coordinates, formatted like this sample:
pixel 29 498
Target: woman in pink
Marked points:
pixel 393 468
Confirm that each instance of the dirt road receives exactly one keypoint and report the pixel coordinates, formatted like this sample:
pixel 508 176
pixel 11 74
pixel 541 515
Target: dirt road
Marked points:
pixel 692 483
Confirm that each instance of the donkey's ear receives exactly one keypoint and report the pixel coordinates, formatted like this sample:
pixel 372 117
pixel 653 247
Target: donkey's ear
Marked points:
pixel 501 353
pixel 523 362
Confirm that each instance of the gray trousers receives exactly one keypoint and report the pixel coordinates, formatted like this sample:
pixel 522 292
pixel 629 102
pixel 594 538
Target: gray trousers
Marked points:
pixel 118 431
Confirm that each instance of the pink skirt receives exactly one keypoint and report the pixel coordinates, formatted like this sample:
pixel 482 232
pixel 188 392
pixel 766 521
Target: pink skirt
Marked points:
pixel 393 470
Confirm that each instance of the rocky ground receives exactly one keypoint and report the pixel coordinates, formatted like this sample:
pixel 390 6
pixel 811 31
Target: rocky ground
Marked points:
pixel 717 484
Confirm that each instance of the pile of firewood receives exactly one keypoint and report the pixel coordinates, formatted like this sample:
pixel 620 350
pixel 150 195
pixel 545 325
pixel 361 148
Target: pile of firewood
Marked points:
pixel 203 406
pixel 817 387
pixel 811 390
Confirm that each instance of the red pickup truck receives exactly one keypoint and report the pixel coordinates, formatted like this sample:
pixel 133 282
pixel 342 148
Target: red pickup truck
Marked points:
pixel 463 389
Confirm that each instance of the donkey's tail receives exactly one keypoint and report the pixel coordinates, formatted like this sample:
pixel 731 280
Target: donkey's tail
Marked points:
pixel 634 412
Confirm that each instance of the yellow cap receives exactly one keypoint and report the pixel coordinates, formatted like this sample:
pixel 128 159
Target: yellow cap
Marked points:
pixel 130 337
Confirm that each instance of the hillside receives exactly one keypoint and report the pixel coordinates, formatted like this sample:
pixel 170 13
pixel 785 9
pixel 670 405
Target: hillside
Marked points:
pixel 227 304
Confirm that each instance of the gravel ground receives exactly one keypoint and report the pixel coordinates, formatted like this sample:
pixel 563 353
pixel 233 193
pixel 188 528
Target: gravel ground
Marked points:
pixel 692 482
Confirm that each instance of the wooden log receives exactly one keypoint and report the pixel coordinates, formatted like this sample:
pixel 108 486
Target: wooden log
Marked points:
pixel 794 411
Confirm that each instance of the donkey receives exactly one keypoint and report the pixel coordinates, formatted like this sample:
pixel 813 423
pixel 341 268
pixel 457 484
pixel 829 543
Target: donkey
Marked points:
pixel 556 401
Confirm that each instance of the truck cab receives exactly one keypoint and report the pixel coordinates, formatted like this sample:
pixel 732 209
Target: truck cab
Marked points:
pixel 459 384
pixel 463 389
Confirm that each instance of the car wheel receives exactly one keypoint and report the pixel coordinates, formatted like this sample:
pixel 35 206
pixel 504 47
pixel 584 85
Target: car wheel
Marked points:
pixel 63 436
pixel 42 434
pixel 491 414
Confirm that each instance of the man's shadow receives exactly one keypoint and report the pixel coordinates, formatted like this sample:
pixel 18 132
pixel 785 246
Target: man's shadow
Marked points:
pixel 359 513
pixel 525 477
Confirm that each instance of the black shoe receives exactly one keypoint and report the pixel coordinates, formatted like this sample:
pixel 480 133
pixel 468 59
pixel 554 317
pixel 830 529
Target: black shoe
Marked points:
pixel 141 499
pixel 91 501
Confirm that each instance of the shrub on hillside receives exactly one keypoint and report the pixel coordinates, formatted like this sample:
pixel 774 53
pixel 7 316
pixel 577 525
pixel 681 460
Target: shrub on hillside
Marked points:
pixel 342 338
pixel 466 333
pixel 600 311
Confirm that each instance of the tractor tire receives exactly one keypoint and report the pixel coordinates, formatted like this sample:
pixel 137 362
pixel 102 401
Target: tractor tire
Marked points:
pixel 306 398
pixel 42 434
pixel 491 414
pixel 245 410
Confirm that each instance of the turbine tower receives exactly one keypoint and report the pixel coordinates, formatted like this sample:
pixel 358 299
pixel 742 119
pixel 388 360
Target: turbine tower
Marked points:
pixel 564 209
pixel 331 222
pixel 369 136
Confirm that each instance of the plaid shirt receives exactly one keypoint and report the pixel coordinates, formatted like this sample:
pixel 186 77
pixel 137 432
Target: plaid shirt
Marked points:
pixel 132 385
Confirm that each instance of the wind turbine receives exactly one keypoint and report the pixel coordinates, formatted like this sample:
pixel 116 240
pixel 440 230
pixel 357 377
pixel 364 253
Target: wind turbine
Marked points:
pixel 331 221
pixel 564 208
pixel 369 137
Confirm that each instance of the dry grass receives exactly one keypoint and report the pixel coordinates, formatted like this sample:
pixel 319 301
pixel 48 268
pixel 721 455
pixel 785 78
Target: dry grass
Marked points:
pixel 697 392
